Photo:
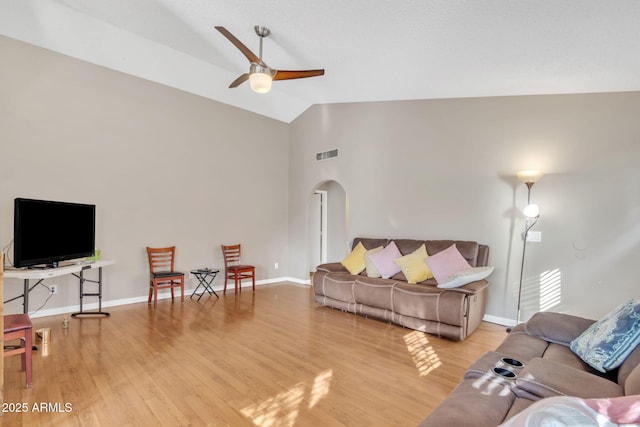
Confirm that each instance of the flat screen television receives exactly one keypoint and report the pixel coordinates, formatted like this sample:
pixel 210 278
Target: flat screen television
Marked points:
pixel 47 232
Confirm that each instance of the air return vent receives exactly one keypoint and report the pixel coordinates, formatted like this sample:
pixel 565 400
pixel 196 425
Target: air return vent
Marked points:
pixel 327 155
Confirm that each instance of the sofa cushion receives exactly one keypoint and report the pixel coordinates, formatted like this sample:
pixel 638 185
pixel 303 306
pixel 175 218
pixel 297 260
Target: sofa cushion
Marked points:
pixel 563 354
pixel 385 260
pixel 413 265
pixel 472 403
pixel 606 344
pixel 632 384
pixel 559 328
pixel 447 262
pixel 332 267
pixel 429 303
pixel 630 365
pixel 370 242
pixel 547 378
pixel 373 292
pixel 407 246
pixel 338 286
pixel 522 346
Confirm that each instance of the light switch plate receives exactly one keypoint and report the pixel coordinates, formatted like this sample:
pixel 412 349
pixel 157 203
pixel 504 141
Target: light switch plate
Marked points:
pixel 534 236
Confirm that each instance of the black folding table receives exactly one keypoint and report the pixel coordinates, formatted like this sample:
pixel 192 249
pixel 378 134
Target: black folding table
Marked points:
pixel 205 277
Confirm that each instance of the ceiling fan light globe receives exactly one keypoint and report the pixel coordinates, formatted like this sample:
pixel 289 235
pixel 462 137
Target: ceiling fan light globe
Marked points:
pixel 260 82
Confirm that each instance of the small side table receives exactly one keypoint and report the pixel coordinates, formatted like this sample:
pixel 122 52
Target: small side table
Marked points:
pixel 205 277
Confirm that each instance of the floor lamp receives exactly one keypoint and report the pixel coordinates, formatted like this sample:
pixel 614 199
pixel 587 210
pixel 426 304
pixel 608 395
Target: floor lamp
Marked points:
pixel 531 213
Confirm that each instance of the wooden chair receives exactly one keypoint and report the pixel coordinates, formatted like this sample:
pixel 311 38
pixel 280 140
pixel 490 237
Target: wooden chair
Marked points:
pixel 234 270
pixel 19 327
pixel 162 274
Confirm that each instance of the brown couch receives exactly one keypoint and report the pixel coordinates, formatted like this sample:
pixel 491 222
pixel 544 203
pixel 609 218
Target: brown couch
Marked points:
pixel 550 369
pixel 452 313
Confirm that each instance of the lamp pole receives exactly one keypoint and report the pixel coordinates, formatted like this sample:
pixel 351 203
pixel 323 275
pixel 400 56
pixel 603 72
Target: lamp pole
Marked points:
pixel 531 213
pixel 527 227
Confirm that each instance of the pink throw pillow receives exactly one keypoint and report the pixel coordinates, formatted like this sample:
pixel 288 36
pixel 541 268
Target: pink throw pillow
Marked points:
pixel 446 263
pixel 384 260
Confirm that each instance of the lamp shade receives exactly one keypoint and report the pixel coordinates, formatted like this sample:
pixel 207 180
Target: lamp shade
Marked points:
pixel 531 211
pixel 531 176
pixel 260 82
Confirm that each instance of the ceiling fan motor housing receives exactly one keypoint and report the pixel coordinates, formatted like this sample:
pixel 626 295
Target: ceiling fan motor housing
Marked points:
pixel 257 68
pixel 261 31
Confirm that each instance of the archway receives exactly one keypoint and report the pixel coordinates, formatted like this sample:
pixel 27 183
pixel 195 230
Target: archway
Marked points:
pixel 328 224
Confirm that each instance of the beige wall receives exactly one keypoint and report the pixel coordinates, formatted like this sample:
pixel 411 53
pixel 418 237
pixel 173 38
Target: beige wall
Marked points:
pixel 446 169
pixel 429 169
pixel 163 167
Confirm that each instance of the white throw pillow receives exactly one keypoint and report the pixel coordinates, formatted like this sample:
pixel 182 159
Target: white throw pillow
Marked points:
pixel 469 275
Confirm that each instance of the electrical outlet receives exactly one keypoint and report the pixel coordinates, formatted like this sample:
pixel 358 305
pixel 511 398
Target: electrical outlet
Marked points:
pixel 53 289
pixel 275 265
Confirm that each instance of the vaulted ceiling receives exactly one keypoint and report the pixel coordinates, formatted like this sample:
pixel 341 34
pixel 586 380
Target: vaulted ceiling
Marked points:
pixel 372 50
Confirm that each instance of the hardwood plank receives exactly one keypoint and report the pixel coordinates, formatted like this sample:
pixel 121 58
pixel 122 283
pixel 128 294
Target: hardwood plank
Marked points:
pixel 269 358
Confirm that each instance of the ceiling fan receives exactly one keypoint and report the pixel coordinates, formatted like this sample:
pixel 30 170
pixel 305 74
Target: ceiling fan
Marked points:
pixel 260 75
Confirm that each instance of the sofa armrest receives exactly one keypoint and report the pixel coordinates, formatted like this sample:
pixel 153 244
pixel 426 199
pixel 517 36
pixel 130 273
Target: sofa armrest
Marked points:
pixel 546 378
pixel 332 267
pixel 558 328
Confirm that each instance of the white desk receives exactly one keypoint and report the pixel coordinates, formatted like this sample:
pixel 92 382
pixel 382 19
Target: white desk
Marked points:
pixel 76 269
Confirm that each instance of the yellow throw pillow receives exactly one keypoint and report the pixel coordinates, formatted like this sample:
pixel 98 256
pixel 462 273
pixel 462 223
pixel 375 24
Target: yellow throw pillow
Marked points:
pixel 354 262
pixel 414 267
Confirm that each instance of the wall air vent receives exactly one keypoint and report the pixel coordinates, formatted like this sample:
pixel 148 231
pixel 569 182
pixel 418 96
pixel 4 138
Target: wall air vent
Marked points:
pixel 327 155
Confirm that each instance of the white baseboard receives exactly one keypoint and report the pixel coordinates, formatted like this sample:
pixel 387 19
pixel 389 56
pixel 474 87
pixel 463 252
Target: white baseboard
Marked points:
pixel 499 320
pixel 144 298
pixel 283 279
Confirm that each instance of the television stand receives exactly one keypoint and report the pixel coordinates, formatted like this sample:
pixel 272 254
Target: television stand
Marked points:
pixel 76 270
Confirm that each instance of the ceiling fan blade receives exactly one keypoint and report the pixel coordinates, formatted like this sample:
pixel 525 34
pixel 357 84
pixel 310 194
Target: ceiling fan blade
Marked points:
pixel 237 43
pixel 301 74
pixel 237 82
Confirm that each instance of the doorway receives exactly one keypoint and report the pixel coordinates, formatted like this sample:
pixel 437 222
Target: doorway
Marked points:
pixel 328 224
pixel 318 219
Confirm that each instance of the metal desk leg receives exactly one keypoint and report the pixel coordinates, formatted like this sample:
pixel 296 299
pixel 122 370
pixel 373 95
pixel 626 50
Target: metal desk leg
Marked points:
pixel 25 299
pixel 84 294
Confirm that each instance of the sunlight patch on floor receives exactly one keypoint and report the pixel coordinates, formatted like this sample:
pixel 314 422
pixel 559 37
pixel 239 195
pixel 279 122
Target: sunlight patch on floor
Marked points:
pixel 283 409
pixel 320 388
pixel 423 354
pixel 278 411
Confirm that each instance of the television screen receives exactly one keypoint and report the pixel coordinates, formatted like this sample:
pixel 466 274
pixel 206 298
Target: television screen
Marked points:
pixel 47 232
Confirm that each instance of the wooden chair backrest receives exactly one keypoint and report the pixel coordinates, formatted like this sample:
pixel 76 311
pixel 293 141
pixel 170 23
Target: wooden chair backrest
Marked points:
pixel 231 254
pixel 161 259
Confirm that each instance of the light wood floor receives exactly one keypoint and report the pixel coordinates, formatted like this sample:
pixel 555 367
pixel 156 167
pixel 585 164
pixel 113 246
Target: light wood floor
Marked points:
pixel 271 358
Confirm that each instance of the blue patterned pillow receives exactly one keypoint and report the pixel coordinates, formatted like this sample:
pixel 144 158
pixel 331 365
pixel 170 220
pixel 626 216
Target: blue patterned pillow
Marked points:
pixel 606 344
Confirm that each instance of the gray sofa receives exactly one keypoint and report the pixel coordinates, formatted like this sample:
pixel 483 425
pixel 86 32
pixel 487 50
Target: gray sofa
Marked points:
pixel 452 313
pixel 551 372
